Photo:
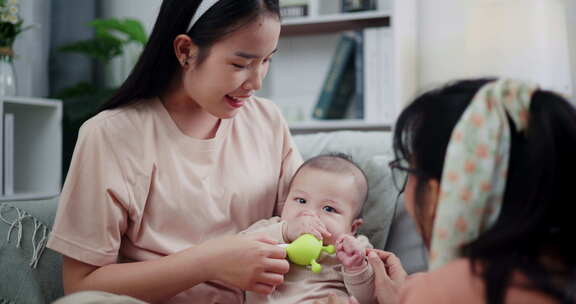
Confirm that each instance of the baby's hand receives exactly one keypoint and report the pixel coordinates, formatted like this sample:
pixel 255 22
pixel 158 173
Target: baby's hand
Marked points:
pixel 305 224
pixel 351 253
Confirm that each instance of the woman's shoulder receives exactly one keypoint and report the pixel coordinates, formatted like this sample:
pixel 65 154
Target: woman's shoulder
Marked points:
pixel 123 120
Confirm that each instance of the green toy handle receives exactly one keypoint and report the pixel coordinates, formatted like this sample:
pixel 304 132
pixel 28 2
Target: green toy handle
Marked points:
pixel 316 268
pixel 329 249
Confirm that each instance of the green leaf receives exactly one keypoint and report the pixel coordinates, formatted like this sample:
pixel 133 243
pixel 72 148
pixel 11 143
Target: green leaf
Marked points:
pixel 101 48
pixel 132 29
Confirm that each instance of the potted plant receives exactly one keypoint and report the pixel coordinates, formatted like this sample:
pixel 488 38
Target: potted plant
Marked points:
pixel 11 25
pixel 83 100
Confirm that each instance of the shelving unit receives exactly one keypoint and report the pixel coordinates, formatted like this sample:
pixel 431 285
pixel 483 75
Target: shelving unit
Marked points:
pixel 307 45
pixel 35 148
pixel 312 126
pixel 335 23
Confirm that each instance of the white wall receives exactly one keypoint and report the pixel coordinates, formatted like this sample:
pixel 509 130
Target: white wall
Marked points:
pixel 441 34
pixel 143 10
pixel 32 49
pixel 525 39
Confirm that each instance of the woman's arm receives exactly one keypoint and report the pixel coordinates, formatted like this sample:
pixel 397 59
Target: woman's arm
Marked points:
pixel 257 266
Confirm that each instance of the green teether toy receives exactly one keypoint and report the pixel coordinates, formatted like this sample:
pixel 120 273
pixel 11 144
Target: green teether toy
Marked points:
pixel 306 249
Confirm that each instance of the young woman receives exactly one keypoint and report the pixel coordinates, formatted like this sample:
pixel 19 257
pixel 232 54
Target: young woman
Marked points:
pixel 490 172
pixel 183 157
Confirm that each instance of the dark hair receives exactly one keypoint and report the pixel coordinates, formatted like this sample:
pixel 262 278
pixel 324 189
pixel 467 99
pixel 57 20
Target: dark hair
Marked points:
pixel 158 65
pixel 537 217
pixel 336 162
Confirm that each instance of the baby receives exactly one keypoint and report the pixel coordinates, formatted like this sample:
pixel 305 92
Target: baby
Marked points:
pixel 325 199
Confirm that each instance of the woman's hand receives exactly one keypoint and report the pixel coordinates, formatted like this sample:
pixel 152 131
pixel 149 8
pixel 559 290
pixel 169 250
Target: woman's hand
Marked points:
pixel 306 223
pixel 351 253
pixel 389 275
pixel 248 262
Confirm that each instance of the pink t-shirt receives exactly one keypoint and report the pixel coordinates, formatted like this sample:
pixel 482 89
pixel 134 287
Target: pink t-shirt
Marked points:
pixel 139 189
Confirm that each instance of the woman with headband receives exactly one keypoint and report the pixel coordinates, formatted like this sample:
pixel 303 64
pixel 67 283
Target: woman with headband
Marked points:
pixel 487 169
pixel 182 158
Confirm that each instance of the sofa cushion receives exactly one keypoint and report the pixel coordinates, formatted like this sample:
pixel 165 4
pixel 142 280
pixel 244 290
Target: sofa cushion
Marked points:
pixel 29 272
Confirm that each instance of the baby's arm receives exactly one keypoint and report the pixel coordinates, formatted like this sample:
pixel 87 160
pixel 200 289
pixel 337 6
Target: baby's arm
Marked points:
pixel 357 273
pixel 272 227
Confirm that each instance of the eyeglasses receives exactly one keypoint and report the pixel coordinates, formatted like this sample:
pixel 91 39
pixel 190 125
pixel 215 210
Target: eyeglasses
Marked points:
pixel 400 170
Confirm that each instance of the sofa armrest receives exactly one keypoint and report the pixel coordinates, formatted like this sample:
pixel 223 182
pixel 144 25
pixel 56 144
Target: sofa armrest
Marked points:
pixel 29 272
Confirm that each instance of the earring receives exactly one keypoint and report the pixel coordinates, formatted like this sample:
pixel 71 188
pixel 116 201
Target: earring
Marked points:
pixel 184 62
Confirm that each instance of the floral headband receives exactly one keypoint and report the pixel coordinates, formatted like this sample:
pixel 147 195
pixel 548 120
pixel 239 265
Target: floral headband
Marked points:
pixel 476 167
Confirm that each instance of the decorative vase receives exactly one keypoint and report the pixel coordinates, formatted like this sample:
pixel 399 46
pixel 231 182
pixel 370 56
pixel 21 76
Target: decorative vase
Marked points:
pixel 7 75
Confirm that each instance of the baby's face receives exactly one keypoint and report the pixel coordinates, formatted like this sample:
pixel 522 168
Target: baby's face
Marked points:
pixel 330 196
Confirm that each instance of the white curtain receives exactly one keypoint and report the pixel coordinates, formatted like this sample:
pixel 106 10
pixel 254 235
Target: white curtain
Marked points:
pixel 32 49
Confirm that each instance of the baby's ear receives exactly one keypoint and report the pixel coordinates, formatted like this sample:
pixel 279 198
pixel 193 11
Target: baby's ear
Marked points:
pixel 356 224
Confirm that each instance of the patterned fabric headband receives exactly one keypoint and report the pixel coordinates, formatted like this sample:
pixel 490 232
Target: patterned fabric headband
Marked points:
pixel 204 6
pixel 476 167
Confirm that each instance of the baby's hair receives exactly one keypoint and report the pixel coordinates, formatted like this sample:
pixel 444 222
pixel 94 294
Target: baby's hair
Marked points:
pixel 338 162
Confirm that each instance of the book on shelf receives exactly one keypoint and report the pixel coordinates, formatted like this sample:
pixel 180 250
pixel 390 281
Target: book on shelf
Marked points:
pixel 379 103
pixel 358 5
pixel 358 100
pixel 8 160
pixel 339 84
pixel 359 82
pixel 294 8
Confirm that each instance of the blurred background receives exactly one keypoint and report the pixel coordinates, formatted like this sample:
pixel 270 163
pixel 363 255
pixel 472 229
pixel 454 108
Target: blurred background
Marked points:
pixel 60 59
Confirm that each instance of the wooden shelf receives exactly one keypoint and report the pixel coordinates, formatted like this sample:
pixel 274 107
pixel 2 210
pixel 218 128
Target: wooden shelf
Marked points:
pixel 334 23
pixel 334 125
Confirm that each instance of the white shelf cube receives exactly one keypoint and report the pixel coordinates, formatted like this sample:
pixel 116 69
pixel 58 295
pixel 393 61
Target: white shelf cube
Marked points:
pixel 36 150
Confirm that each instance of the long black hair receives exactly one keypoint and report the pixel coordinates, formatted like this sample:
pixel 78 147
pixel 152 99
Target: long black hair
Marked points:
pixel 158 65
pixel 535 231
